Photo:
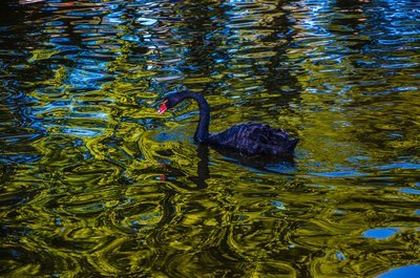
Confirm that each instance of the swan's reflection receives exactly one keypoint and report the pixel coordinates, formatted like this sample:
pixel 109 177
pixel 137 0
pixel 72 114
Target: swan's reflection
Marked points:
pixel 284 165
pixel 203 172
pixel 279 165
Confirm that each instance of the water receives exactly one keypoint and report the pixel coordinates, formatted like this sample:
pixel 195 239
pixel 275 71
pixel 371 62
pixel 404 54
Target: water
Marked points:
pixel 94 182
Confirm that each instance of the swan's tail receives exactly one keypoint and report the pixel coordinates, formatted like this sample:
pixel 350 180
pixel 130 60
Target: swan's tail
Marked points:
pixel 292 144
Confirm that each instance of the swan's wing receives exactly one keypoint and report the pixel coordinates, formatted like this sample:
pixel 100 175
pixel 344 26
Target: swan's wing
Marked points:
pixel 254 138
pixel 271 141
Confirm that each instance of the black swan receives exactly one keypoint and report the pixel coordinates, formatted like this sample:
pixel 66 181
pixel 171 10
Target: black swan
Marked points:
pixel 249 139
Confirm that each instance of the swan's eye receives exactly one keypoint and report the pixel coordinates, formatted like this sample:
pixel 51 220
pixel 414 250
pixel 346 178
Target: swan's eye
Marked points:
pixel 163 107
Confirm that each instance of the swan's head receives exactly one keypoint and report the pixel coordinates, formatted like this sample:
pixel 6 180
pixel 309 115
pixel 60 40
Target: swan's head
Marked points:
pixel 170 101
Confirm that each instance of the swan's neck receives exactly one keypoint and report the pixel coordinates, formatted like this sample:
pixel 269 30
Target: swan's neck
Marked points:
pixel 202 132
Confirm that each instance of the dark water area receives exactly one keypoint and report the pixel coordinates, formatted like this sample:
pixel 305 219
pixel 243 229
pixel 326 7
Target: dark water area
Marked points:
pixel 95 183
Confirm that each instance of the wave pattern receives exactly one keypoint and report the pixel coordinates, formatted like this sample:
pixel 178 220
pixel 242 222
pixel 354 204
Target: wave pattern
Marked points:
pixel 93 182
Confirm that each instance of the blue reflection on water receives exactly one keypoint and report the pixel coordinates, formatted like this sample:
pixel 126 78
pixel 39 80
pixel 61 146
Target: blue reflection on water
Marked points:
pixel 338 174
pixel 82 132
pixel 340 256
pixel 404 271
pixel 380 233
pixel 18 158
pixel 278 205
pixel 408 190
pixel 400 165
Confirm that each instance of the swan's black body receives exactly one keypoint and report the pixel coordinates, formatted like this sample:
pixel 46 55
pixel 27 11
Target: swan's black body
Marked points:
pixel 254 139
pixel 249 139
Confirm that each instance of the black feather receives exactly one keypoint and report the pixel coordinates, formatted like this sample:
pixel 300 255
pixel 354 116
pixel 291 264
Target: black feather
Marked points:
pixel 254 139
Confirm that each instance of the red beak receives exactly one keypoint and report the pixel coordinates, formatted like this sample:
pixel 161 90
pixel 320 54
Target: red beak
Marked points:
pixel 162 108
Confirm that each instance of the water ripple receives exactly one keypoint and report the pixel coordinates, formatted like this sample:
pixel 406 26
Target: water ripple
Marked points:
pixel 93 182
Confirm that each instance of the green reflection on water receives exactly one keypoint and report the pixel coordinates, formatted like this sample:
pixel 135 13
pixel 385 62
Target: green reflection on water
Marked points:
pixel 94 182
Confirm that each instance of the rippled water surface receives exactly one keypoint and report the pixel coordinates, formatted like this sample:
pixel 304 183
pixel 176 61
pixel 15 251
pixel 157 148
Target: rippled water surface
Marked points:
pixel 93 182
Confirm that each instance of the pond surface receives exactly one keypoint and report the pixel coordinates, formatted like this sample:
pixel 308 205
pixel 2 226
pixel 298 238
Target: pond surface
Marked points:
pixel 93 182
